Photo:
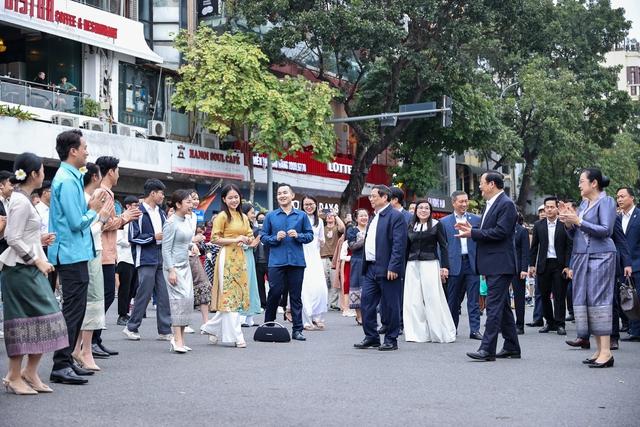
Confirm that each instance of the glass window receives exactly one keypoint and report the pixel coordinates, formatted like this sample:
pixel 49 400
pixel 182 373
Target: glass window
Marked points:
pixel 139 97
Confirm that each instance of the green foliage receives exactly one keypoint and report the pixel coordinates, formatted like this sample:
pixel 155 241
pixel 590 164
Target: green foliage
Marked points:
pixel 226 78
pixel 620 162
pixel 90 107
pixel 16 112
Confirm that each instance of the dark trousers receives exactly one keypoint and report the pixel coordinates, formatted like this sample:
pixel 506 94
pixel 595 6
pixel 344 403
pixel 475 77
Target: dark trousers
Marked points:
pixel 109 276
pixel 499 315
pixel 280 279
pixel 519 286
pixel 634 325
pixel 261 271
pixel 466 282
pixel 74 281
pixel 376 289
pixel 570 298
pixel 126 274
pixel 551 281
pixel 537 304
pixel 150 280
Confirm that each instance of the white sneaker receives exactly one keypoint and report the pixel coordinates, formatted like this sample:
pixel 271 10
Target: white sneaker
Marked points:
pixel 133 336
pixel 188 330
pixel 213 339
pixel 280 310
pixel 165 337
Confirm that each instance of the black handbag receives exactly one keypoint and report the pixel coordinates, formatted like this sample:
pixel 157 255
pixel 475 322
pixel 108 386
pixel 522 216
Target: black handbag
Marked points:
pixel 272 332
pixel 629 301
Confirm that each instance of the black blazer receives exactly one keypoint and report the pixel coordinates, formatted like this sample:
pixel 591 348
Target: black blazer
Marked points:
pixel 423 245
pixel 391 244
pixel 540 244
pixel 522 248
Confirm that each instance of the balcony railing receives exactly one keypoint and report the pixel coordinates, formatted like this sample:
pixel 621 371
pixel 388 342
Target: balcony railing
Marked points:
pixel 32 94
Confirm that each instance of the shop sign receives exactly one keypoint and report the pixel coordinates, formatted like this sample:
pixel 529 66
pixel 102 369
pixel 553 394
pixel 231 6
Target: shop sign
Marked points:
pixel 287 165
pixel 196 160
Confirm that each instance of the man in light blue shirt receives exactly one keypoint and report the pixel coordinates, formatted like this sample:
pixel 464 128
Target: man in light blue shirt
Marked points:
pixel 70 219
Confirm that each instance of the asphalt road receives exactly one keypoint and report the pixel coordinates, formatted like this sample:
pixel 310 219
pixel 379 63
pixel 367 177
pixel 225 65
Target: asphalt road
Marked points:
pixel 325 382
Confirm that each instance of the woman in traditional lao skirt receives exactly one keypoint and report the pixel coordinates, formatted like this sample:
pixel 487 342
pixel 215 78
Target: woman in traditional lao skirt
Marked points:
pixel 230 292
pixel 254 296
pixel 33 323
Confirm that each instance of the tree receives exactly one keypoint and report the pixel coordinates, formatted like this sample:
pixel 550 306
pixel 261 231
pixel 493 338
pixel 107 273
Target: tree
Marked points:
pixel 378 54
pixel 226 78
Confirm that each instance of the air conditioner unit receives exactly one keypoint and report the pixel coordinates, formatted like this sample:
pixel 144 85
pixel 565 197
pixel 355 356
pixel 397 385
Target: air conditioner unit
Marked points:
pixel 95 125
pixel 156 129
pixel 65 120
pixel 120 129
pixel 209 140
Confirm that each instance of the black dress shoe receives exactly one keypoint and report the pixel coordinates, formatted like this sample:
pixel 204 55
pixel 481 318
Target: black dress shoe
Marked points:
pixel 506 354
pixel 98 353
pixel 607 364
pixel 367 343
pixel 66 376
pixel 570 318
pixel 546 328
pixel 561 330
pixel 579 342
pixel 108 350
pixel 382 330
pixel 388 347
pixel 535 324
pixel 631 338
pixel 298 336
pixel 519 330
pixel 614 345
pixel 81 371
pixel 475 336
pixel 482 356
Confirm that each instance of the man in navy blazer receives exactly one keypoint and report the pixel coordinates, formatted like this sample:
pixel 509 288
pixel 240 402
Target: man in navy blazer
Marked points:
pixel 630 218
pixel 462 265
pixel 382 270
pixel 496 260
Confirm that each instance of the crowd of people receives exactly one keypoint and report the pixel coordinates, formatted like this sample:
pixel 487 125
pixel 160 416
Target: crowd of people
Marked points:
pixel 403 267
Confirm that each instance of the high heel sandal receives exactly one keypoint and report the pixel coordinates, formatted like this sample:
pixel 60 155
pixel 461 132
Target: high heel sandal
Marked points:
pixel 359 322
pixel 242 344
pixel 84 364
pixel 175 349
pixel 39 388
pixel 10 389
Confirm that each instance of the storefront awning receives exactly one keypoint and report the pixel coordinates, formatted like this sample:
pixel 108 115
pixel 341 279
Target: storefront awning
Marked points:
pixel 81 23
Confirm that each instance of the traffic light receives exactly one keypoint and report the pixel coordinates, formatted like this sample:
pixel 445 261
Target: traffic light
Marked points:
pixel 447 115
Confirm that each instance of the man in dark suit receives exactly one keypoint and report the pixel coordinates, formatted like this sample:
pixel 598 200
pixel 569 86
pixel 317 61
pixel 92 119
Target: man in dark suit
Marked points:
pixel 496 260
pixel 522 260
pixel 383 269
pixel 462 265
pixel 397 199
pixel 630 218
pixel 549 263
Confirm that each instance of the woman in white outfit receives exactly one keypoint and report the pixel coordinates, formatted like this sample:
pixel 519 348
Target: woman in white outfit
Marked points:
pixel 314 285
pixel 425 311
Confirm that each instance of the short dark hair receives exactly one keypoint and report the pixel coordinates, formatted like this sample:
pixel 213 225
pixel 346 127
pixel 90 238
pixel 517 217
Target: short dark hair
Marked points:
pixel 284 184
pixel 383 190
pixel 5 175
pixel 67 140
pixel 594 174
pixel 153 184
pixel 456 194
pixel 106 163
pixel 397 193
pixel 129 200
pixel 46 185
pixel 178 196
pixel 550 199
pixel 246 207
pixel 629 190
pixel 495 177
pixel 92 169
pixel 29 163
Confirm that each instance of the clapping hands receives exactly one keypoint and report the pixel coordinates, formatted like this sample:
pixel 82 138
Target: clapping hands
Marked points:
pixel 567 214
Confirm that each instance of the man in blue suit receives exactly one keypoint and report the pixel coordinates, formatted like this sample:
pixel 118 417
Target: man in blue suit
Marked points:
pixel 496 260
pixel 462 265
pixel 630 219
pixel 383 269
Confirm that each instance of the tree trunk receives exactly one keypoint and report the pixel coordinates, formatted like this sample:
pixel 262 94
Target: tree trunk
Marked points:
pixel 527 178
pixel 249 160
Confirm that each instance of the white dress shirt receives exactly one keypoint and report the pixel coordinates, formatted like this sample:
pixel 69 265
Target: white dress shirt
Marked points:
pixel 490 203
pixel 464 249
pixel 626 217
pixel 156 220
pixel 370 240
pixel 123 246
pixel 551 230
pixel 43 211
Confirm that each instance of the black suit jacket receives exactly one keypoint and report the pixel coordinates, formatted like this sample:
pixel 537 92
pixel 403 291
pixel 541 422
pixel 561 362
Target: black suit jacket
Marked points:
pixel 391 243
pixel 540 244
pixel 522 248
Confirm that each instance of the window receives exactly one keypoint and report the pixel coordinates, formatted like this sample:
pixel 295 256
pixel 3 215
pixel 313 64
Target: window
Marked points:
pixel 137 92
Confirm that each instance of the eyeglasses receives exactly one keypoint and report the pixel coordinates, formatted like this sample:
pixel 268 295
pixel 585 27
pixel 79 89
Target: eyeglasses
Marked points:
pixel 309 204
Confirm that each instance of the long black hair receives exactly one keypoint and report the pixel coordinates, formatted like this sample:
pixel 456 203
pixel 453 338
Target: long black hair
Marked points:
pixel 223 194
pixel 92 169
pixel 315 212
pixel 414 218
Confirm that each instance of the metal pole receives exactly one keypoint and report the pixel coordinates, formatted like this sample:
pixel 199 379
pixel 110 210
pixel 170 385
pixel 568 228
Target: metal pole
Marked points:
pixel 406 114
pixel 269 184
